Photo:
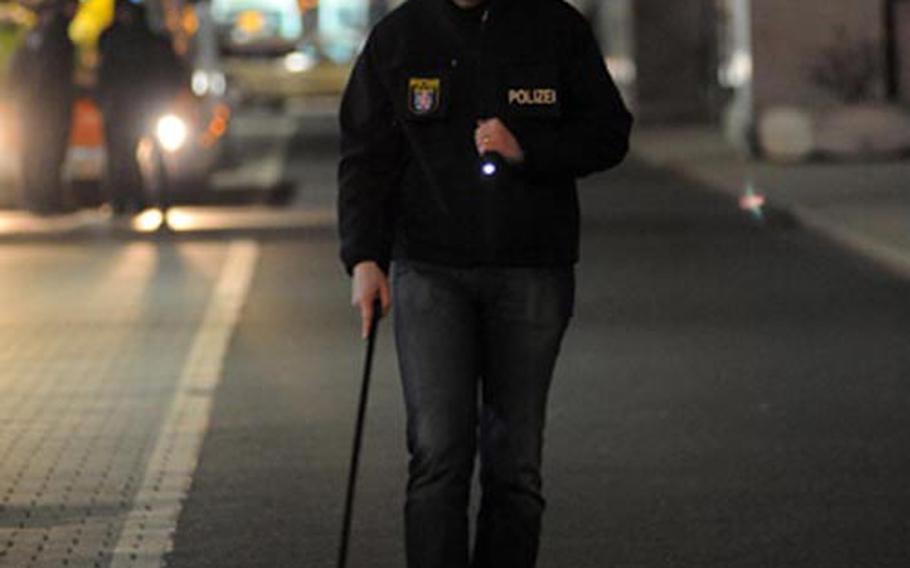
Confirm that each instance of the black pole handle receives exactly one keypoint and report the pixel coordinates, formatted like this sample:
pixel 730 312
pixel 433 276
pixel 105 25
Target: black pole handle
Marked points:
pixel 358 435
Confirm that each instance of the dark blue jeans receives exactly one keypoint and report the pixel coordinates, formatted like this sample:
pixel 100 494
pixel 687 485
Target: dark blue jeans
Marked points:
pixel 476 350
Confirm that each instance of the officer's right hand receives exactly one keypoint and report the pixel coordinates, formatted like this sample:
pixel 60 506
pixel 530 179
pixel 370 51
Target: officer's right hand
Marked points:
pixel 369 283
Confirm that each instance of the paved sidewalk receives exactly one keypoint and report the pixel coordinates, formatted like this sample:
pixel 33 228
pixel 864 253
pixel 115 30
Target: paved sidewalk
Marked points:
pixel 94 351
pixel 864 206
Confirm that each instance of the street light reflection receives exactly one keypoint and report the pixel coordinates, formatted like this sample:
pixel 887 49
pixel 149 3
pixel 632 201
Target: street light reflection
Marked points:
pixel 148 221
pixel 180 220
pixel 21 222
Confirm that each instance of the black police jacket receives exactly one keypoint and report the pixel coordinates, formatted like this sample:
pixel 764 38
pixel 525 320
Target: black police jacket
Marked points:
pixel 410 185
pixel 140 73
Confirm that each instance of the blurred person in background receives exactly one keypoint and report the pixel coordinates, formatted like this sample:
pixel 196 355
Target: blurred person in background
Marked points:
pixel 41 79
pixel 377 10
pixel 139 77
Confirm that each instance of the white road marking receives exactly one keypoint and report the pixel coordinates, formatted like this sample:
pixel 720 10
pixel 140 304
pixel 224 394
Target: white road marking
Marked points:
pixel 148 531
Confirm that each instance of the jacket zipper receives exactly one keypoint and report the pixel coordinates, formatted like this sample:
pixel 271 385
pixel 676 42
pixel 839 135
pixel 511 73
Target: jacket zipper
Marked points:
pixel 489 222
pixel 480 57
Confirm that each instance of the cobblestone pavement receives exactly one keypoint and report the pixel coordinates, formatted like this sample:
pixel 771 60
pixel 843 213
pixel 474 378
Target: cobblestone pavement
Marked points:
pixel 92 343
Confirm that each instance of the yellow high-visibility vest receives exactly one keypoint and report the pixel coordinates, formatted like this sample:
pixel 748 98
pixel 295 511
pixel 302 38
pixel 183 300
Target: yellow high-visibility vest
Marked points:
pixel 93 17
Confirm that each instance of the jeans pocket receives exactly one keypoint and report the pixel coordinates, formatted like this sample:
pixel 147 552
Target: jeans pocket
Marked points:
pixel 400 268
pixel 538 296
pixel 413 287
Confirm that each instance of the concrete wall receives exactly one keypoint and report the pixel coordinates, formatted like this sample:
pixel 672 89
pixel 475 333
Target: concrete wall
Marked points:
pixel 788 36
pixel 902 46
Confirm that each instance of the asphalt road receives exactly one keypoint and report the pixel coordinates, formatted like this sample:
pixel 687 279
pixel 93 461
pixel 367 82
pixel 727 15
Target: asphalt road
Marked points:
pixel 730 394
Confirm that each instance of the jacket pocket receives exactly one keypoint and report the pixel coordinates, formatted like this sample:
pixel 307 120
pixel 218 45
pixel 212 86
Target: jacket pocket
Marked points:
pixel 531 91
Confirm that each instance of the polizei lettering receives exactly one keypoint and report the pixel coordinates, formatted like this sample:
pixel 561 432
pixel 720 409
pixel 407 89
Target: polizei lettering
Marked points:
pixel 528 97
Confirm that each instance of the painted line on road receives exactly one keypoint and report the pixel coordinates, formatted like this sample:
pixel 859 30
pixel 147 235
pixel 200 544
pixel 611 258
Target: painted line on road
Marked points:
pixel 148 531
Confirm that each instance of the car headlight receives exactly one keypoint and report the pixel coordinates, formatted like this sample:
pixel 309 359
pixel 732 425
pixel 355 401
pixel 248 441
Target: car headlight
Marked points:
pixel 201 83
pixel 299 62
pixel 172 132
pixel 208 83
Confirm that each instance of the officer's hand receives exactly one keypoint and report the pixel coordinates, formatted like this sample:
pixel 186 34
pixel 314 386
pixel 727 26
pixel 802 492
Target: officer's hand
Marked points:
pixel 493 136
pixel 369 283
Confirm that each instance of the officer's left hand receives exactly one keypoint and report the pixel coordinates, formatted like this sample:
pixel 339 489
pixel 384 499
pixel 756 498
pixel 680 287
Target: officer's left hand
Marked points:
pixel 493 136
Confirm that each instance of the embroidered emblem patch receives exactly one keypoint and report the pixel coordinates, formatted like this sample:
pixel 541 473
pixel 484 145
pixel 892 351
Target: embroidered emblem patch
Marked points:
pixel 424 95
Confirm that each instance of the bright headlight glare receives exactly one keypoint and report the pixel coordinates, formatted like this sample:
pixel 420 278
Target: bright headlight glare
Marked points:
pixel 201 83
pixel 218 84
pixel 298 62
pixel 172 132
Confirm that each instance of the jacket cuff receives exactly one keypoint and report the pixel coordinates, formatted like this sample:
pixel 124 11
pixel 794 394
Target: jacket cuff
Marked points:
pixel 350 262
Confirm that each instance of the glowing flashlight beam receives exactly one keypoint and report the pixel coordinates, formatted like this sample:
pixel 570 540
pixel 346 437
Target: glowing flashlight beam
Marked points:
pixel 490 163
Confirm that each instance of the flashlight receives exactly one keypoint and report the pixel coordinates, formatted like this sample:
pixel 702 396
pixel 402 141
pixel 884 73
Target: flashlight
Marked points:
pixel 490 164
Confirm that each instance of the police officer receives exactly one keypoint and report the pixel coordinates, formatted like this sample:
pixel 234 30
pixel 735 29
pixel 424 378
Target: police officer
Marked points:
pixel 140 74
pixel 464 128
pixel 41 77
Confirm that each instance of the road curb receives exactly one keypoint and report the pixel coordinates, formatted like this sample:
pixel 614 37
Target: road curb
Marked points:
pixel 890 258
pixel 773 215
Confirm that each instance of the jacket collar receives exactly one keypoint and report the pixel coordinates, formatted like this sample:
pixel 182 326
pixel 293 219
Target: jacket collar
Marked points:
pixel 495 6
